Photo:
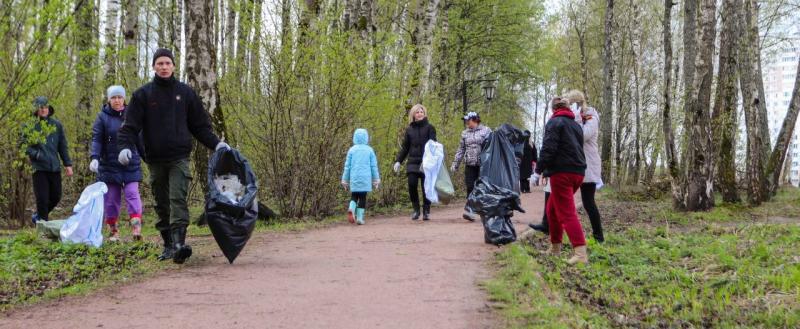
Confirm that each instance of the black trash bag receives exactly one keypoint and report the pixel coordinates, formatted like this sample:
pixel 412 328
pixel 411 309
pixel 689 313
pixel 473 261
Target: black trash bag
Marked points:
pixel 499 157
pixel 231 221
pixel 495 205
pixel 498 230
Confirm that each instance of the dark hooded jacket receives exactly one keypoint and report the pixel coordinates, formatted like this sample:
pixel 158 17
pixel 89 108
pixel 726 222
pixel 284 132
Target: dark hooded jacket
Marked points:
pixel 562 147
pixel 168 113
pixel 105 149
pixel 45 156
pixel 417 134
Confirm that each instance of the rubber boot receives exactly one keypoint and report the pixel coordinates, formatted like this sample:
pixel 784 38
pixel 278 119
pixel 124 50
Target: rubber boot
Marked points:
pixel 580 256
pixel 182 250
pixel 555 249
pixel 360 216
pixel 136 227
pixel 168 248
pixel 112 227
pixel 426 212
pixel 415 214
pixel 351 212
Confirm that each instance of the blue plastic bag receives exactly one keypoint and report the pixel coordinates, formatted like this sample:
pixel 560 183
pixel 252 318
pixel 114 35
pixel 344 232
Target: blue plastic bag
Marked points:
pixel 86 223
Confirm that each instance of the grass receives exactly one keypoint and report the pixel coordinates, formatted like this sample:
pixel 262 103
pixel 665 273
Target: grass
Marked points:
pixel 728 268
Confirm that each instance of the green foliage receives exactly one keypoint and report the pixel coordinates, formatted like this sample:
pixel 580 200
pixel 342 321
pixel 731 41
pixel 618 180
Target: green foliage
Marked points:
pixel 31 267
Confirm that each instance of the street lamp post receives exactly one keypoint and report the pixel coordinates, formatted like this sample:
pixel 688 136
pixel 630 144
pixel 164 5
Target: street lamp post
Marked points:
pixel 488 91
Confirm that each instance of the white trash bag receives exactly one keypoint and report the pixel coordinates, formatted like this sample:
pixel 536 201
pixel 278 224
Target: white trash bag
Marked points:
pixel 86 223
pixel 432 160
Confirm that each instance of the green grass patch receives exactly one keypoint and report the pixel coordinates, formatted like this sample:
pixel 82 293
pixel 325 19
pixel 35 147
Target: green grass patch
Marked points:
pixel 32 268
pixel 526 301
pixel 727 268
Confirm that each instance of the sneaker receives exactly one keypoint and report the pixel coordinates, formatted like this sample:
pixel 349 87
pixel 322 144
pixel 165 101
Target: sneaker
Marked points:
pixel 34 218
pixel 114 236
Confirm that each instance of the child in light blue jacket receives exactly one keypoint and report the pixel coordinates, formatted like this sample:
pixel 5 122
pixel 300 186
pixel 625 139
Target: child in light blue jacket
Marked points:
pixel 360 175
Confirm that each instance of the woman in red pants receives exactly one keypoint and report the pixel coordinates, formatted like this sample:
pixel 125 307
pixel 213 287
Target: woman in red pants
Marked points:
pixel 562 160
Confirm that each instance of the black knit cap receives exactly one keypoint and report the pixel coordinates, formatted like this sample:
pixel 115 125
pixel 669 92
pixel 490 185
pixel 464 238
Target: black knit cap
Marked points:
pixel 161 52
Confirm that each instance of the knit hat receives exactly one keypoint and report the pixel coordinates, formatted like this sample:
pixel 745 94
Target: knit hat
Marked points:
pixel 115 91
pixel 39 102
pixel 472 116
pixel 162 52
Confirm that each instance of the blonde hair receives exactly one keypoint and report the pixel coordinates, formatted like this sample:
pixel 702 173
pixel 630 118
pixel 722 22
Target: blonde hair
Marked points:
pixel 414 110
pixel 576 96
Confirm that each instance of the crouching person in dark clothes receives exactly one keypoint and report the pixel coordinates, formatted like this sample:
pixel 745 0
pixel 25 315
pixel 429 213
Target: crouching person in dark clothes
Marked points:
pixel 168 113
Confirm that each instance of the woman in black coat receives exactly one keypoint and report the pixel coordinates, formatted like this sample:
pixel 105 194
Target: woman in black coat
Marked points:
pixel 526 165
pixel 417 134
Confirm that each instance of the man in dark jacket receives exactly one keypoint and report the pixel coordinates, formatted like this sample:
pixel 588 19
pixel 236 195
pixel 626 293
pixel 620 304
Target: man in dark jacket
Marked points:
pixel 168 113
pixel 562 160
pixel 46 142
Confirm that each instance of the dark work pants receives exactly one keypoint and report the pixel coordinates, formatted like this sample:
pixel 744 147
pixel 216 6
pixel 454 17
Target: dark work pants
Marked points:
pixel 170 184
pixel 544 213
pixel 471 174
pixel 47 190
pixel 524 185
pixel 415 181
pixel 587 197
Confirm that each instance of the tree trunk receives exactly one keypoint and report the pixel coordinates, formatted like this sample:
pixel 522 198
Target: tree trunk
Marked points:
pixel 228 39
pixel 86 46
pixel 778 155
pixel 425 43
pixel 726 102
pixel 608 93
pixel 671 162
pixel 111 47
pixel 755 118
pixel 129 53
pixel 699 160
pixel 201 72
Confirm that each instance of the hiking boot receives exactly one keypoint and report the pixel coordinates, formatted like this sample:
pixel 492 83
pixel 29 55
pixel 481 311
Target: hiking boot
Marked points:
pixel 136 228
pixel 426 212
pixel 415 214
pixel 182 250
pixel 168 251
pixel 580 256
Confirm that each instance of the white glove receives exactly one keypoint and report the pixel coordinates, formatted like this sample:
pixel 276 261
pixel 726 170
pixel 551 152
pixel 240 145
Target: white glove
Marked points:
pixel 222 145
pixel 536 177
pixel 94 165
pixel 124 157
pixel 376 184
pixel 346 184
pixel 396 167
pixel 453 168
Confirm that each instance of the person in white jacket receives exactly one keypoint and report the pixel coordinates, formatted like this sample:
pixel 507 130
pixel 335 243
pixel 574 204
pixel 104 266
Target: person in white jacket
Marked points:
pixel 590 121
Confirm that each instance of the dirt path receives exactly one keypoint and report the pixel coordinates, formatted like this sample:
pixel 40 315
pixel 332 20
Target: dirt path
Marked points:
pixel 390 273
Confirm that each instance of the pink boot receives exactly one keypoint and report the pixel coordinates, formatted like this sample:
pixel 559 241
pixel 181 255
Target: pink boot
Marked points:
pixel 136 227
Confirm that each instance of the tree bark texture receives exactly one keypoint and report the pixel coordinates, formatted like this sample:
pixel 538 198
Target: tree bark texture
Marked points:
pixel 606 125
pixel 725 105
